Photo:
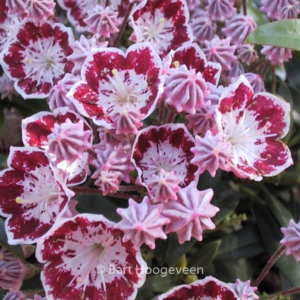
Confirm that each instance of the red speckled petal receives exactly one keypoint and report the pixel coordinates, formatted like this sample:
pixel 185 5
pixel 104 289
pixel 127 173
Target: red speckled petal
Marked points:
pixel 208 288
pixel 86 269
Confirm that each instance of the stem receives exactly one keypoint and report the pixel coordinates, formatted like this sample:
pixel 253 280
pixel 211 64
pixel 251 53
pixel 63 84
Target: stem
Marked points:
pixel 130 188
pixel 273 80
pixel 161 109
pixel 122 28
pixel 171 117
pixel 245 7
pixel 292 291
pixel 106 3
pixel 269 265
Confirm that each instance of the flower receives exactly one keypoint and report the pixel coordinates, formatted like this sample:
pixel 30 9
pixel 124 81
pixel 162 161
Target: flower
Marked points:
pixel 207 288
pixel 164 24
pixel 220 10
pixel 33 195
pixel 244 290
pixel 37 58
pixel 211 153
pixel 191 213
pixel 220 51
pixel 238 28
pixel 102 21
pixel 112 79
pixel 167 148
pixel 253 124
pixel 85 258
pixel 291 239
pixel 142 222
pixel 277 55
pixel 65 136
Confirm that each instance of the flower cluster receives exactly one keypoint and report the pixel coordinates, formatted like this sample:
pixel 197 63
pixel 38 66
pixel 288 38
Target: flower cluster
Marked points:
pixel 111 131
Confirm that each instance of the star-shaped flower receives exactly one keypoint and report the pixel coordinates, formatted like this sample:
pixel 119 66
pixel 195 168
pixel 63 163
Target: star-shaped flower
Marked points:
pixel 164 24
pixel 142 222
pixel 37 57
pixel 111 79
pixel 33 195
pixel 254 124
pixel 85 258
pixel 191 213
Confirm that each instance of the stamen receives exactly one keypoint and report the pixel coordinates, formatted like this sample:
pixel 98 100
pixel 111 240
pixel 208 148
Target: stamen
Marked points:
pixel 37 199
pixel 176 64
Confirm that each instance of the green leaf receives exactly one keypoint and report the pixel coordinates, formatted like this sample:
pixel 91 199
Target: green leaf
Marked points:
pixel 226 197
pixel 285 33
pixel 243 243
pixel 176 250
pixel 16 250
pixel 97 204
pixel 205 255
pixel 160 282
pixel 271 235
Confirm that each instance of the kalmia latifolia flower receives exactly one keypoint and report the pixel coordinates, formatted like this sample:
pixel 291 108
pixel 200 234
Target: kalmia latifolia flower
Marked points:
pixel 40 10
pixel 204 28
pixel 207 288
pixel 85 258
pixel 220 10
pixel 189 75
pixel 33 195
pixel 65 136
pixel 254 124
pixel 191 213
pixel 291 239
pixel 247 54
pixel 277 55
pixel 112 79
pixel 220 51
pixel 102 21
pixel 238 28
pixel 37 58
pixel 164 148
pixel 244 290
pixel 211 153
pixel 164 24
pixel 142 223
pixel 113 165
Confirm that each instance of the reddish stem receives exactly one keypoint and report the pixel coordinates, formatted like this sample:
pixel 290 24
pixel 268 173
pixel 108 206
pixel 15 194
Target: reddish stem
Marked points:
pixel 161 108
pixel 245 7
pixel 291 291
pixel 269 265
pixel 122 28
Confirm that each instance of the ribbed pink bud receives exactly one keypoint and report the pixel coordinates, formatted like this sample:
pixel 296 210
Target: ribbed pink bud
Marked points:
pixel 220 10
pixel 238 28
pixel 277 55
pixel 247 54
pixel 17 7
pixel 102 21
pixel 204 28
pixel 211 153
pixel 185 90
pixel 163 186
pixel 40 10
pixel 127 119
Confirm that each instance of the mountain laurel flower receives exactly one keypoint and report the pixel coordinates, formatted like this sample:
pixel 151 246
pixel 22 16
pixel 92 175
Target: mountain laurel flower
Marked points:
pixel 211 153
pixel 191 213
pixel 220 51
pixel 85 258
pixel 273 8
pixel 220 10
pixel 142 223
pixel 244 290
pixel 291 239
pixel 207 288
pixel 277 55
pixel 247 53
pixel 163 186
pixel 163 24
pixel 65 136
pixel 40 10
pixel 204 29
pixel 165 147
pixel 238 28
pixel 33 195
pixel 111 79
pixel 57 95
pixel 102 21
pixel 254 124
pixel 37 58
